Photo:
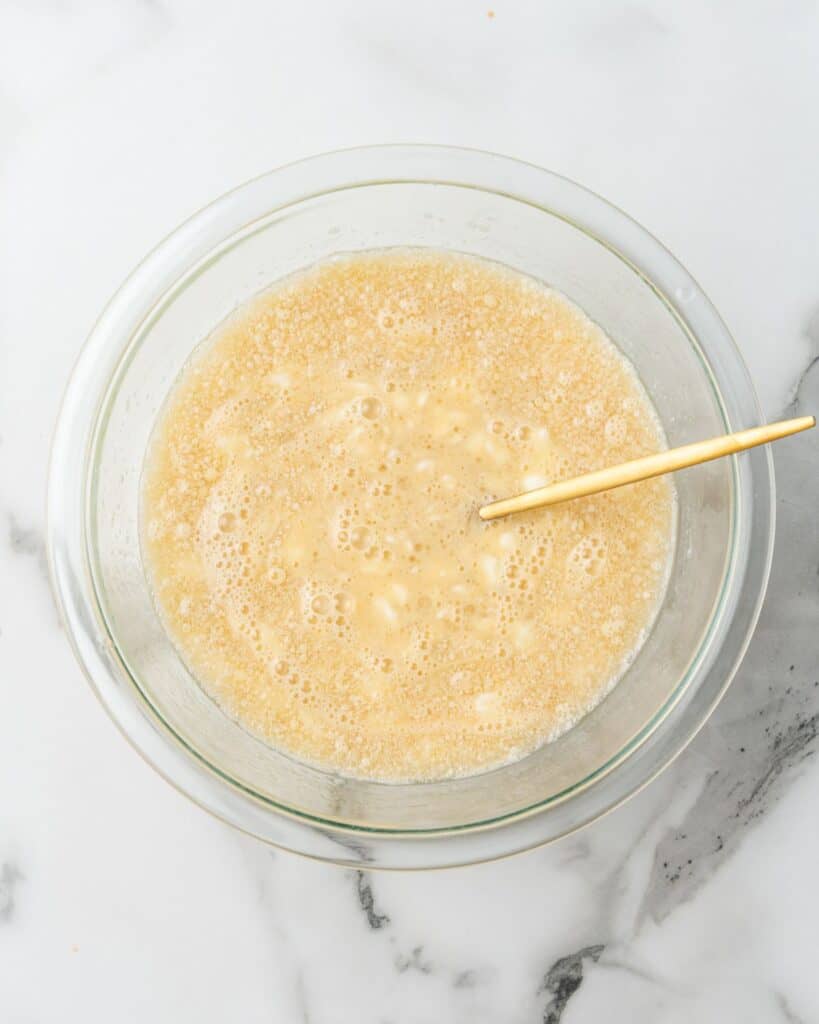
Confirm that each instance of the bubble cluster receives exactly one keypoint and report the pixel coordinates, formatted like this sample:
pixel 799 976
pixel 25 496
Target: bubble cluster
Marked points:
pixel 588 556
pixel 310 515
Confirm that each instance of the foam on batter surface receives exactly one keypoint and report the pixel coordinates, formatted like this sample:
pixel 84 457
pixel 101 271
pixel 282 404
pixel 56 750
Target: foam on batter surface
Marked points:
pixel 310 520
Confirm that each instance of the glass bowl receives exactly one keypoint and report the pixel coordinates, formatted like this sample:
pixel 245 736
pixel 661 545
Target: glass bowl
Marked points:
pixel 472 202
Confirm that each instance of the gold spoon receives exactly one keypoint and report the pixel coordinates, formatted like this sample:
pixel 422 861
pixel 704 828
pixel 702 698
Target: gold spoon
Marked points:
pixel 645 468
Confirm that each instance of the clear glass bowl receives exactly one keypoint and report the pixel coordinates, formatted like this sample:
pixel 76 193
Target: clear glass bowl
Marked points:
pixel 471 202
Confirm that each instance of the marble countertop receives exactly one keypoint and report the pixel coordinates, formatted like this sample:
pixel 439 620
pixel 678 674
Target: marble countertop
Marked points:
pixel 119 900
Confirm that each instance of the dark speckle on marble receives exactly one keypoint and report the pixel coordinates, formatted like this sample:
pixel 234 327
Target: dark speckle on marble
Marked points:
pixel 414 962
pixel 564 978
pixel 10 877
pixel 367 902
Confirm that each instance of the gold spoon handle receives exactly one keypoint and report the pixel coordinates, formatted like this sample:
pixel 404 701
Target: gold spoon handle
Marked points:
pixel 645 468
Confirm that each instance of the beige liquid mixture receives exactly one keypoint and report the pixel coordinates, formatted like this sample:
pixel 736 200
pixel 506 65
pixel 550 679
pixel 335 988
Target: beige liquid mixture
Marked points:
pixel 310 516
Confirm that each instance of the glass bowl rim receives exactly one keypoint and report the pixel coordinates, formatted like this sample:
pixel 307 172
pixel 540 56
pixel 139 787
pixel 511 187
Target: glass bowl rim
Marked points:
pixel 69 555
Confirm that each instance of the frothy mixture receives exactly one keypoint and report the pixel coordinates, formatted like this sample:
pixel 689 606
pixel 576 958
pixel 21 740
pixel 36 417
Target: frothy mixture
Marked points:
pixel 310 515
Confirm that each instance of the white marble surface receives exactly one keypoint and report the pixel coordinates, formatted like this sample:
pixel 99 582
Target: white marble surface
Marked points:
pixel 119 900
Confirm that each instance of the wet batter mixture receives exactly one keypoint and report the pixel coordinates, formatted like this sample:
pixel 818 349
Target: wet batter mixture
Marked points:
pixel 310 522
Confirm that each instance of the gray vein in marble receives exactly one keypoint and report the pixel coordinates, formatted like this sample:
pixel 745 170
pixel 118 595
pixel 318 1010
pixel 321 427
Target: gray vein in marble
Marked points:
pixel 575 848
pixel 609 872
pixel 301 997
pixel 367 902
pixel 788 749
pixel 786 1010
pixel 262 863
pixel 414 962
pixel 811 332
pixel 465 979
pixel 766 725
pixel 10 877
pixel 563 979
pixel 361 851
pixel 636 972
pixel 27 541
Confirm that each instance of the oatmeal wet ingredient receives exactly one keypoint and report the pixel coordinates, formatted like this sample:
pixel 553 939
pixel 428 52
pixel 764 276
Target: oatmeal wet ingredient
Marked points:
pixel 310 515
